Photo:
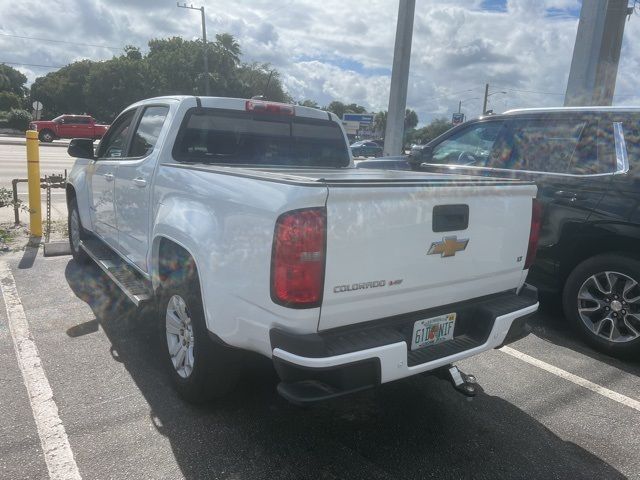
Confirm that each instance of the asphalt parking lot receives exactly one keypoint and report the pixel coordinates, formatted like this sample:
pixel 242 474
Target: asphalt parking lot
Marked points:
pixel 120 419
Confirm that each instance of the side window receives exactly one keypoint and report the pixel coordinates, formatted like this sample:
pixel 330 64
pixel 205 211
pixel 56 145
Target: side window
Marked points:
pixel 597 151
pixel 544 145
pixel 71 120
pixel 114 143
pixel 631 129
pixel 471 146
pixel 82 120
pixel 146 135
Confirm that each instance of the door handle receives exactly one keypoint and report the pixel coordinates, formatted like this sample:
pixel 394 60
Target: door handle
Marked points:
pixel 108 177
pixel 140 182
pixel 565 195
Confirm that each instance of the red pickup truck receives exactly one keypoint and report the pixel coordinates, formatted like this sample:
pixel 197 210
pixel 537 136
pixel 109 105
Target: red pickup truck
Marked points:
pixel 68 126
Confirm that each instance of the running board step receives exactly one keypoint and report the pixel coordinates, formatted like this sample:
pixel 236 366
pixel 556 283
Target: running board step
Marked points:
pixel 130 281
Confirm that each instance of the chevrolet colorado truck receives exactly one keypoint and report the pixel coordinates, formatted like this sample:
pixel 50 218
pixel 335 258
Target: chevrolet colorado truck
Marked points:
pixel 68 126
pixel 247 227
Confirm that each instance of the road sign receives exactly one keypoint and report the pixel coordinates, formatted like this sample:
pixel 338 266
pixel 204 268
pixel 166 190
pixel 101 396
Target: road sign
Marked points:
pixel 363 118
pixel 37 105
pixel 457 118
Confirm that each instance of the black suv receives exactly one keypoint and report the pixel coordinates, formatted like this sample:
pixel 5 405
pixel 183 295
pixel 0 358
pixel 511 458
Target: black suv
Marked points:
pixel 586 163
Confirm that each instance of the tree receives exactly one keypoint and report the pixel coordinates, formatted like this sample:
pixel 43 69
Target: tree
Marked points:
pixel 113 85
pixel 427 133
pixel 410 119
pixel 12 80
pixel 8 101
pixel 380 121
pixel 63 91
pixel 173 66
pixel 340 108
pixel 132 52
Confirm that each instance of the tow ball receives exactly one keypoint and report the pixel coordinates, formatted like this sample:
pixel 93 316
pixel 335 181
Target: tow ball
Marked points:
pixel 463 383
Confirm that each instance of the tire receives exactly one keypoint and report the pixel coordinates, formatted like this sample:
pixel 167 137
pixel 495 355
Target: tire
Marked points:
pixel 76 233
pixel 46 136
pixel 208 369
pixel 596 291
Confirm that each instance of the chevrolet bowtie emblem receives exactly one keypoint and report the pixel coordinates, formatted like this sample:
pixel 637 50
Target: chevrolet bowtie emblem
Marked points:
pixel 448 246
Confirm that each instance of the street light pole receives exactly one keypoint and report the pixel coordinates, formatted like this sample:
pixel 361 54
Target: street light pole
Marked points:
pixel 204 44
pixel 394 132
pixel 486 97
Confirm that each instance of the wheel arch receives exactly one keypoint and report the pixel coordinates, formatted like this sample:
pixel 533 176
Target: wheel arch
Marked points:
pixel 618 239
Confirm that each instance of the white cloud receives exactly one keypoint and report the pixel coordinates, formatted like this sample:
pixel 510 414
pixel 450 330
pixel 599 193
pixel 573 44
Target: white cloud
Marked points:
pixel 336 50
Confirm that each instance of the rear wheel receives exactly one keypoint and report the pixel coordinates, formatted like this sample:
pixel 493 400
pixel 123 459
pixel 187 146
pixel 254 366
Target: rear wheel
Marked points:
pixel 602 299
pixel 76 233
pixel 46 136
pixel 200 368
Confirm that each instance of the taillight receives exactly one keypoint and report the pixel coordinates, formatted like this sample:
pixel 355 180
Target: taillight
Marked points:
pixel 298 258
pixel 534 234
pixel 258 106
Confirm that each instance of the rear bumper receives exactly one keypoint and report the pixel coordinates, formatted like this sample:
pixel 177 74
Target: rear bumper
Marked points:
pixel 330 363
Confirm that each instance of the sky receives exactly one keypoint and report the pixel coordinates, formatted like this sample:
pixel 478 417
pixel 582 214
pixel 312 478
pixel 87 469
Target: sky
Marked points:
pixel 340 50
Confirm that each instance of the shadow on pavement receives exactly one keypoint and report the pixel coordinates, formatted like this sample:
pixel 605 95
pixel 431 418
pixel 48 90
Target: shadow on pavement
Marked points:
pixel 30 253
pixel 417 428
pixel 550 325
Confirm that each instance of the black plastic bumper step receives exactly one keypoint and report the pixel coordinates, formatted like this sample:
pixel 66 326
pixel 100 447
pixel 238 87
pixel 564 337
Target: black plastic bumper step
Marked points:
pixel 131 282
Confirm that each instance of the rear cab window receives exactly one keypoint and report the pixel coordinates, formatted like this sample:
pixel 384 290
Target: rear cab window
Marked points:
pixel 233 137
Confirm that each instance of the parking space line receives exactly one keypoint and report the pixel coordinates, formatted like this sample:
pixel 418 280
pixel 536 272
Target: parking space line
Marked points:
pixel 594 387
pixel 53 437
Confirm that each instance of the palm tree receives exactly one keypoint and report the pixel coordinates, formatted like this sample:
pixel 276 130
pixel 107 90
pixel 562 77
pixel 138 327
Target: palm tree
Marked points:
pixel 229 46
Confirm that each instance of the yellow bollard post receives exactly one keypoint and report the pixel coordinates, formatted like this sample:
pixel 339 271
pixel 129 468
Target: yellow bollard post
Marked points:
pixel 33 175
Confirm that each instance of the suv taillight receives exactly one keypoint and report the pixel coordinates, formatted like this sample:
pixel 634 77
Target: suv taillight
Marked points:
pixel 534 234
pixel 298 258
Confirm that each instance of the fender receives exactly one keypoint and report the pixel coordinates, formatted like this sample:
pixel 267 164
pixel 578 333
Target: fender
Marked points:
pixel 192 226
pixel 78 180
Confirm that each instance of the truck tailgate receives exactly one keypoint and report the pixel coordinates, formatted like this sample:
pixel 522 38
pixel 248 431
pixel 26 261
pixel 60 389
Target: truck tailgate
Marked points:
pixel 379 237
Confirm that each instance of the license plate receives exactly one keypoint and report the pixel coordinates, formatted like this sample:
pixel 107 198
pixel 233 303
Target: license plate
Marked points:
pixel 433 330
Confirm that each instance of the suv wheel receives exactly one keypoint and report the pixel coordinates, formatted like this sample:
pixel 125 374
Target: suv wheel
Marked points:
pixel 76 233
pixel 200 369
pixel 602 298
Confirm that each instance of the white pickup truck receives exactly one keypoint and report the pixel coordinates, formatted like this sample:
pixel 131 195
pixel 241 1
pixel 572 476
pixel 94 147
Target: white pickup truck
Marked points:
pixel 247 225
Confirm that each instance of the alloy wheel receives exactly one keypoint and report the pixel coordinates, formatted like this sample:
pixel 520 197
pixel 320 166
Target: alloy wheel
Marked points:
pixel 180 336
pixel 74 224
pixel 609 306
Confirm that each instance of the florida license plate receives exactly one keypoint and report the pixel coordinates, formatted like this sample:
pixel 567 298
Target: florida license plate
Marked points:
pixel 433 330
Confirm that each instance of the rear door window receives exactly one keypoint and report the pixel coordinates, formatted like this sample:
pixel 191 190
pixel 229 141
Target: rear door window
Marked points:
pixel 245 138
pixel 542 145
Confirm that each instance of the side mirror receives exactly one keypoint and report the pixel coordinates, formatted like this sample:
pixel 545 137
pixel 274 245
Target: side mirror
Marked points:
pixel 419 155
pixel 81 148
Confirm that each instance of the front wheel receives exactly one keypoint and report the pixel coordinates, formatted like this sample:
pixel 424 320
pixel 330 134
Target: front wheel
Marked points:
pixel 602 299
pixel 76 233
pixel 200 369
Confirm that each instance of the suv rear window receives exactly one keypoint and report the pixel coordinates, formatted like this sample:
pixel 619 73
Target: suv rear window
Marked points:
pixel 245 138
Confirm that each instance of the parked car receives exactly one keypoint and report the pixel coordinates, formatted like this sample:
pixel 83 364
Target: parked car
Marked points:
pixel 246 224
pixel 68 126
pixel 366 148
pixel 586 163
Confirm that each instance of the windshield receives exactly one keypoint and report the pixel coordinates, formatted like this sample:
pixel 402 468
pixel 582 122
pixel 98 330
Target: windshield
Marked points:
pixel 242 138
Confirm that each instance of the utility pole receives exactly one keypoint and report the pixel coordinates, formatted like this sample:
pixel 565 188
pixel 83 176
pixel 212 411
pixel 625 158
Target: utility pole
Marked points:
pixel 460 106
pixel 594 66
pixel 486 97
pixel 204 45
pixel 394 132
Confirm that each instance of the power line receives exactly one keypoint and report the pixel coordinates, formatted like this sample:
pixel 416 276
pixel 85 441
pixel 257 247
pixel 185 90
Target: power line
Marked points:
pixel 60 41
pixel 31 64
